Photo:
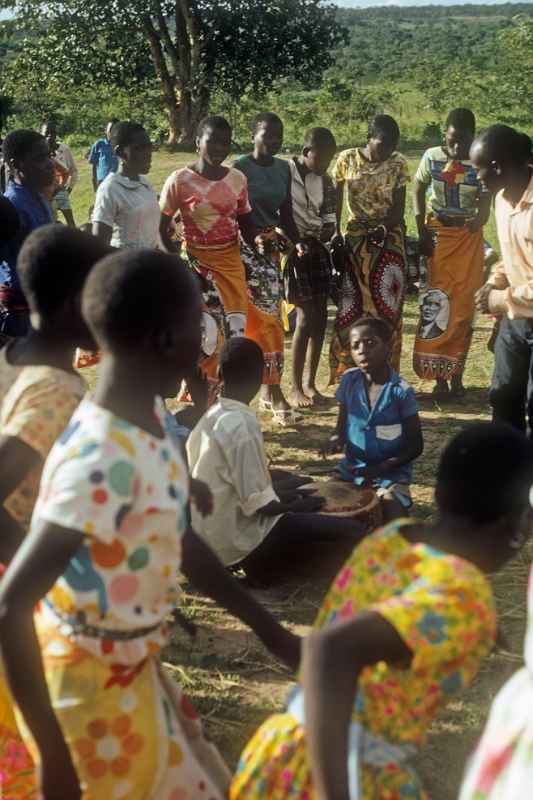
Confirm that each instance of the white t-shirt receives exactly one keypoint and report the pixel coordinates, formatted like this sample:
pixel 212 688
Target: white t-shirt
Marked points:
pixel 130 208
pixel 308 209
pixel 226 450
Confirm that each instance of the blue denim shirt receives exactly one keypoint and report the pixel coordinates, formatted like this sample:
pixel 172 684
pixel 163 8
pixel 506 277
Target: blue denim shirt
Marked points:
pixel 33 213
pixel 103 158
pixel 373 435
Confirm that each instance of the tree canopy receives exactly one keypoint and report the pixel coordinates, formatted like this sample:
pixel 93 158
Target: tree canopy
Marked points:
pixel 189 47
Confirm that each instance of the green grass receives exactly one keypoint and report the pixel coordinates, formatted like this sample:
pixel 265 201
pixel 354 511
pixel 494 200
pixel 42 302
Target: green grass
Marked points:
pixel 231 678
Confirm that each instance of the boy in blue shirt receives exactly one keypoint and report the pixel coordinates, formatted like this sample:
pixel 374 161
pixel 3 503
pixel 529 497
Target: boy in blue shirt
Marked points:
pixel 103 157
pixel 378 426
pixel 27 155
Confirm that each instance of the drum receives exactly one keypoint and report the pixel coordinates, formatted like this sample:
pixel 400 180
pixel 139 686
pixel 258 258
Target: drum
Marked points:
pixel 343 499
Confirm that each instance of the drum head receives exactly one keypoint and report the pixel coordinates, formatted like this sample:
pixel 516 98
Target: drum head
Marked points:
pixel 343 499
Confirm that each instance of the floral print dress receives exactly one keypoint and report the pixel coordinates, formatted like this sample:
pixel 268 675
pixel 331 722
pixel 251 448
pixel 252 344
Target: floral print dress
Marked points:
pixel 131 731
pixel 443 609
pixel 502 767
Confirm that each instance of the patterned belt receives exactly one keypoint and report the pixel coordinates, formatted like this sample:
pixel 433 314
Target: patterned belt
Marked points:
pixel 80 628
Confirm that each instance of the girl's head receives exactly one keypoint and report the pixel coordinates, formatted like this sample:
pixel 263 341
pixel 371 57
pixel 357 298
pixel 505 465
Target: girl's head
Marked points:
pixel 143 309
pixel 459 133
pixel 55 303
pixel 267 134
pixel 383 137
pixel 484 482
pixel 499 154
pixel 370 343
pixel 132 145
pixel 213 140
pixel 27 155
pixel 241 366
pixel 318 150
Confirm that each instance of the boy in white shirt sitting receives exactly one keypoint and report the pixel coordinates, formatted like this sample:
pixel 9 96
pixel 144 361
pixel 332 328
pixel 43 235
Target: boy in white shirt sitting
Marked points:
pixel 250 520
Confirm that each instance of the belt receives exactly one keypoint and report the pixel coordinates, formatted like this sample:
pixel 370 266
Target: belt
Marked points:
pixel 78 627
pixel 364 747
pixel 453 222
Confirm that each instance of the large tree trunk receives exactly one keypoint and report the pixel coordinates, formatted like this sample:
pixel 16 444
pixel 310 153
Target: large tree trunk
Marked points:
pixel 191 111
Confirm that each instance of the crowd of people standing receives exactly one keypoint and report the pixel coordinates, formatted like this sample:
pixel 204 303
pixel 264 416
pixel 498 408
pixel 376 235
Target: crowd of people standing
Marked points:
pixel 101 504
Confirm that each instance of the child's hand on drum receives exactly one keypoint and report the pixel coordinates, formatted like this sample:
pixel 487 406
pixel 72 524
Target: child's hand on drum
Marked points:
pixel 333 446
pixel 202 497
pixel 306 505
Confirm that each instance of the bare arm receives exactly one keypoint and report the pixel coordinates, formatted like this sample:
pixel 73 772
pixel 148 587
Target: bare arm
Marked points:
pixel 41 559
pixel 286 218
pixel 169 244
pixel 247 228
pixel 16 460
pixel 337 441
pixel 95 179
pixel 206 573
pixel 340 204
pixel 485 202
pixel 396 214
pixel 412 447
pixel 332 662
pixel 419 202
pixel 103 232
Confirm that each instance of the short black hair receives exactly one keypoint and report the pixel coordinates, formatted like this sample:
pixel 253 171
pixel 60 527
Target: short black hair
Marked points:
pixel 504 144
pixel 18 144
pixel 264 118
pixel 213 122
pixel 53 264
pixel 462 119
pixel 241 361
pixel 485 472
pixel 384 127
pixel 9 220
pixel 319 137
pixel 123 133
pixel 379 327
pixel 134 293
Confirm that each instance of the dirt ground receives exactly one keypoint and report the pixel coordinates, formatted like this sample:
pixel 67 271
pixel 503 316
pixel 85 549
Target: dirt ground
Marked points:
pixel 233 680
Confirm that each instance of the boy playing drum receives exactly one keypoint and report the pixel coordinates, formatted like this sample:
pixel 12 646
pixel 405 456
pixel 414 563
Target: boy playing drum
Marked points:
pixel 378 427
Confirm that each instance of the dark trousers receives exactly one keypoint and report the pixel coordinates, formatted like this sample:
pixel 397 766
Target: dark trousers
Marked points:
pixel 511 392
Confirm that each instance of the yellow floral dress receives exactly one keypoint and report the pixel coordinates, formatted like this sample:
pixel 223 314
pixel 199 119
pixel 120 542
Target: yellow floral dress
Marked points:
pixel 443 609
pixel 131 731
pixel 375 273
pixel 36 403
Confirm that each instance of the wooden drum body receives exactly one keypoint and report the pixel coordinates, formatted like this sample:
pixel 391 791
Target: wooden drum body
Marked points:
pixel 343 499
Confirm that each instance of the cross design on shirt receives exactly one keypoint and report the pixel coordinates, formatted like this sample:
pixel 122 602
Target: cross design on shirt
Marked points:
pixel 453 173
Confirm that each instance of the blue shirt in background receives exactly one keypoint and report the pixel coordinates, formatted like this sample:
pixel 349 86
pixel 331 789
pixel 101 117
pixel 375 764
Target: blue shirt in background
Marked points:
pixel 373 435
pixel 103 158
pixel 34 211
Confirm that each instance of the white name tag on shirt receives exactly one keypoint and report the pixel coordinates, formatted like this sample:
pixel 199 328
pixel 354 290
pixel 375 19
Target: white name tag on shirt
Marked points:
pixel 388 432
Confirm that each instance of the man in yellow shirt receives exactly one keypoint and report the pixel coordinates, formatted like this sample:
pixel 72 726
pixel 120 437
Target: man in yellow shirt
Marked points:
pixel 503 159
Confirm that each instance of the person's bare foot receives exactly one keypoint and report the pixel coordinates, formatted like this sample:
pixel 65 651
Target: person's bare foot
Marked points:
pixel 457 389
pixel 277 398
pixel 441 388
pixel 316 397
pixel 299 399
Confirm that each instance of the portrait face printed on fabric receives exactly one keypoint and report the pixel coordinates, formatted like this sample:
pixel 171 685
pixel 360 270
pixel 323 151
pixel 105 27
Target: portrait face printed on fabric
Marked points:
pixel 434 313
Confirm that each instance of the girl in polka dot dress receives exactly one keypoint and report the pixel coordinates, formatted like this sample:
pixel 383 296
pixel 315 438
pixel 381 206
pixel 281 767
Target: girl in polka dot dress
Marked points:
pixel 108 536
